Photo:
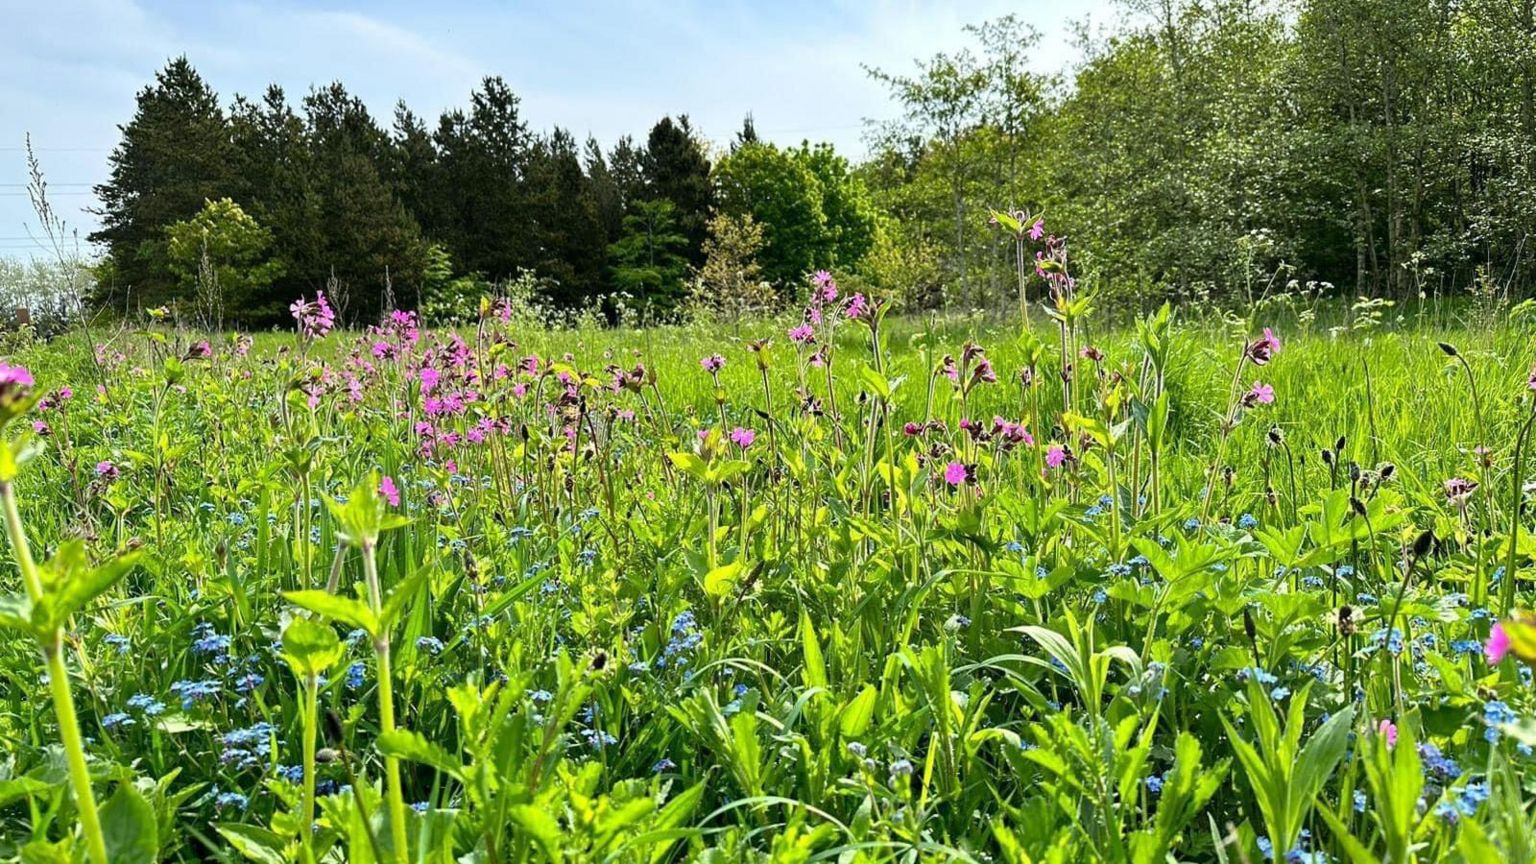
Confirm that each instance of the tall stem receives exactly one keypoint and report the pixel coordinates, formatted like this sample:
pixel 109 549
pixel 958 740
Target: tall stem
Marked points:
pixel 393 794
pixel 58 686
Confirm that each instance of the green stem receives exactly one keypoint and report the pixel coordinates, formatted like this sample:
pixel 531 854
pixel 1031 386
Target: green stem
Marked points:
pixel 393 794
pixel 58 685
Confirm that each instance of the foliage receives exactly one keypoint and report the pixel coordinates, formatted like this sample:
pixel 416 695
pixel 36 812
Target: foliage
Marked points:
pixel 842 585
pixel 221 254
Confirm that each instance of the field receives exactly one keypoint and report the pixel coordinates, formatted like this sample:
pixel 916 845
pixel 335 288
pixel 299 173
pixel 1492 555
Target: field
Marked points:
pixel 1237 588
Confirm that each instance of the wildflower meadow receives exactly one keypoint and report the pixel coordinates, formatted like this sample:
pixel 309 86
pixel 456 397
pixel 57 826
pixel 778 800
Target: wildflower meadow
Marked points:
pixel 846 586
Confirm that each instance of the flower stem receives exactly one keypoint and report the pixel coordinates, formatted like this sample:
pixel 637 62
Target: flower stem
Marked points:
pixel 58 685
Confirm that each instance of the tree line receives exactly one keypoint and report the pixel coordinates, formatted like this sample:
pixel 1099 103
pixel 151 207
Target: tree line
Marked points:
pixel 1217 149
pixel 236 211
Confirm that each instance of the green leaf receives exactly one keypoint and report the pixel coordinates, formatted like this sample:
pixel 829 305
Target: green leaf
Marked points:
pixel 353 613
pixel 814 672
pixel 129 827
pixel 310 647
pixel 718 582
pixel 673 817
pixel 400 598
pixel 412 746
pixel 17 788
pixel 256 844
pixel 690 463
pixel 856 715
pixel 541 828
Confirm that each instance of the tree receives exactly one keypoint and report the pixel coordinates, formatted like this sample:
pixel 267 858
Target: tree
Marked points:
pixel 676 168
pixel 731 280
pixel 845 202
pixel 482 161
pixel 369 245
pixel 780 193
pixel 175 154
pixel 942 104
pixel 648 260
pixel 564 219
pixel 220 256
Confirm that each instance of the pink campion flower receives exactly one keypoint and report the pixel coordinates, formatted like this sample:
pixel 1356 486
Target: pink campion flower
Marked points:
pixel 1037 230
pixel 1530 380
pixel 390 492
pixel 1459 489
pixel 912 428
pixel 15 376
pixel 802 335
pixel 1388 730
pixel 712 364
pixel 66 394
pixel 201 351
pixel 1264 348
pixel 858 307
pixel 41 428
pixel 826 287
pixel 429 379
pixel 314 319
pixel 743 437
pixel 1055 455
pixel 955 473
pixel 1259 394
pixel 107 471
pixel 1497 645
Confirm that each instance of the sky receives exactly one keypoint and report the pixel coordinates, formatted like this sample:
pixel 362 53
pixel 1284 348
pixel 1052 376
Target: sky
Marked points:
pixel 69 69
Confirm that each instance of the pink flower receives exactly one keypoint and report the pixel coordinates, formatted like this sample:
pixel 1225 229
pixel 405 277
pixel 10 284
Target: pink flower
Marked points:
pixel 1259 394
pixel 201 351
pixel 1264 348
pixel 429 379
pixel 14 375
pixel 955 473
pixel 802 335
pixel 106 470
pixel 743 438
pixel 1388 730
pixel 390 492
pixel 713 363
pixel 314 319
pixel 1497 645
pixel 912 428
pixel 826 287
pixel 1037 230
pixel 1055 455
pixel 66 394
pixel 858 307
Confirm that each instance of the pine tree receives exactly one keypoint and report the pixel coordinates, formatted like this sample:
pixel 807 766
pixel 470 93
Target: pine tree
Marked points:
pixel 175 154
pixel 482 159
pixel 368 238
pixel 569 237
pixel 677 169
pixel 648 260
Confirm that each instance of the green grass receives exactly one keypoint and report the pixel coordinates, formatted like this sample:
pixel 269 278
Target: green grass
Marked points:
pixel 636 643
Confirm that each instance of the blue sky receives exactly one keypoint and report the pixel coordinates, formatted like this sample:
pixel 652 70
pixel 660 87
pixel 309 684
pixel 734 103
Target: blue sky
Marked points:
pixel 69 69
